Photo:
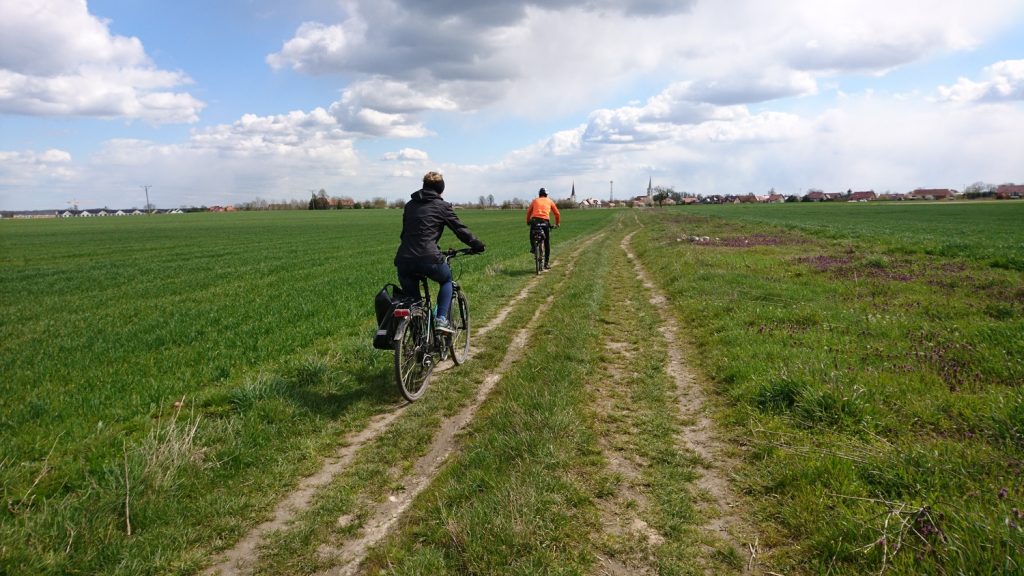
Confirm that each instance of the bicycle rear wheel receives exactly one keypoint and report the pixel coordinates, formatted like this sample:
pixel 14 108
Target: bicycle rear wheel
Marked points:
pixel 538 255
pixel 458 315
pixel 413 360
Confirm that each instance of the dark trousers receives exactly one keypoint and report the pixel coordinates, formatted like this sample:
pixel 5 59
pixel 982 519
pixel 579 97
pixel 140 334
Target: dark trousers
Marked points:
pixel 410 273
pixel 545 226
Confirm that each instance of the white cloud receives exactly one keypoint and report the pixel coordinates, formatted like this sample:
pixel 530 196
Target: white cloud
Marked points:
pixel 725 96
pixel 678 114
pixel 56 59
pixel 318 48
pixel 392 96
pixel 406 155
pixel 27 166
pixel 1004 82
pixel 296 135
pixel 863 142
pixel 544 58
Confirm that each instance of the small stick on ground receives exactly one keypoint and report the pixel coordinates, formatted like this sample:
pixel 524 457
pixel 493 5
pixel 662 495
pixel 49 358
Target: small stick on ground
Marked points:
pixel 127 489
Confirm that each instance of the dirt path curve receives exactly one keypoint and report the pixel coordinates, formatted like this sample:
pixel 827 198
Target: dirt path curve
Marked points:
pixel 698 432
pixel 384 515
pixel 244 555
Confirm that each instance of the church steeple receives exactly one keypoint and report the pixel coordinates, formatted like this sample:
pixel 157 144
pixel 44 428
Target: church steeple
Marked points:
pixel 573 195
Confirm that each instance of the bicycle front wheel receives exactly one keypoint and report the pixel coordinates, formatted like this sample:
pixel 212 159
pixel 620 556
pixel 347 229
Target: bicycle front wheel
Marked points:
pixel 459 317
pixel 413 360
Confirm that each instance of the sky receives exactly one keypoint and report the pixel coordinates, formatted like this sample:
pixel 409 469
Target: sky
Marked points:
pixel 215 103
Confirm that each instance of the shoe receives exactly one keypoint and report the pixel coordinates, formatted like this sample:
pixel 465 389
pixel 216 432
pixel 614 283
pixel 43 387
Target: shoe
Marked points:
pixel 442 325
pixel 546 267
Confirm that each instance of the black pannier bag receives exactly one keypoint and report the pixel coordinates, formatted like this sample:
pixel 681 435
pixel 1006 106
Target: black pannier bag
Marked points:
pixel 384 305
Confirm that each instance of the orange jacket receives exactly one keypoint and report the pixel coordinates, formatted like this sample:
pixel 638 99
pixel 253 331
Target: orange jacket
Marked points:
pixel 543 207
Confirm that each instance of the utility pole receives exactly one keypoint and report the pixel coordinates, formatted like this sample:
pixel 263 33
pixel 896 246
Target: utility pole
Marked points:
pixel 146 187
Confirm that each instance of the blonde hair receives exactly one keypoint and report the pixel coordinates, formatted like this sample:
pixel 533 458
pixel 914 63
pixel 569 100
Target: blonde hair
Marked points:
pixel 431 177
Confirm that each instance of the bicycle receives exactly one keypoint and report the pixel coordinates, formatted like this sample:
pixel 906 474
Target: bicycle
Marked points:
pixel 537 233
pixel 419 347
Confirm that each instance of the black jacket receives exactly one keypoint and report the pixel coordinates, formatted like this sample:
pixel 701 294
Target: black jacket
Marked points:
pixel 423 222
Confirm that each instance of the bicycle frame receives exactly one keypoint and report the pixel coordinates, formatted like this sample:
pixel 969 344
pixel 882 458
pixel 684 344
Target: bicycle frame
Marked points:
pixel 425 347
pixel 538 233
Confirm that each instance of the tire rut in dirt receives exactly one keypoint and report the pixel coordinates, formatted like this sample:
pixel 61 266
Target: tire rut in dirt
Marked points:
pixel 243 557
pixel 383 516
pixel 698 435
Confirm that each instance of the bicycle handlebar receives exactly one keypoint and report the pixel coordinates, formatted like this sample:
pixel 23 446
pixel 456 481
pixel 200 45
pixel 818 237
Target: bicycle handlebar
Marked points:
pixel 452 252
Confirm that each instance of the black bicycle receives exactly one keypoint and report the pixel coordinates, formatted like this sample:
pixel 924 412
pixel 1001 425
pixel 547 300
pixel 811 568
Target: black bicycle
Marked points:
pixel 537 234
pixel 419 347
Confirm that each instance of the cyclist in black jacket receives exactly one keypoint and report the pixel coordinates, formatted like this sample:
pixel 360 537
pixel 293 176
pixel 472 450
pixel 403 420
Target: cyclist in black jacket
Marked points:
pixel 424 220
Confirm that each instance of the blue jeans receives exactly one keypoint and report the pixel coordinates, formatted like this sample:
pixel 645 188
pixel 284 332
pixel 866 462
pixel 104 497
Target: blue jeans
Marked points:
pixel 410 273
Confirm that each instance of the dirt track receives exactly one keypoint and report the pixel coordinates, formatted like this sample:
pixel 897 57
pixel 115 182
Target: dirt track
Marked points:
pixel 711 489
pixel 244 556
pixel 698 434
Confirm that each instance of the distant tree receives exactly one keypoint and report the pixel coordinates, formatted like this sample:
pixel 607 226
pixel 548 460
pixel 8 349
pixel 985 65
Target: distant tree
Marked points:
pixel 400 203
pixel 319 201
pixel 377 202
pixel 483 201
pixel 980 190
pixel 660 193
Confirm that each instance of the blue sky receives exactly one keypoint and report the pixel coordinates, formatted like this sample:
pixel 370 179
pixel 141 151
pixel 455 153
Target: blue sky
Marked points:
pixel 225 102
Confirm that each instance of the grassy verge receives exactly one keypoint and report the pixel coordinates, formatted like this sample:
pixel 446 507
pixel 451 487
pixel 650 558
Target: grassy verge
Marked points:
pixel 878 390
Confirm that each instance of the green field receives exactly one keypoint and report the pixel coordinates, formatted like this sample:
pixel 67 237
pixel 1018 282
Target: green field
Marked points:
pixel 866 360
pixel 105 323
pixel 872 372
pixel 987 231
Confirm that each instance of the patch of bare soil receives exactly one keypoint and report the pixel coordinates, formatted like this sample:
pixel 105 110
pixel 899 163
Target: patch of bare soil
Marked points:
pixel 934 271
pixel 852 268
pixel 718 501
pixel 750 241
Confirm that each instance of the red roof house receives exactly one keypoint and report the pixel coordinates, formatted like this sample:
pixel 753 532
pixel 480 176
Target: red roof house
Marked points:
pixel 932 194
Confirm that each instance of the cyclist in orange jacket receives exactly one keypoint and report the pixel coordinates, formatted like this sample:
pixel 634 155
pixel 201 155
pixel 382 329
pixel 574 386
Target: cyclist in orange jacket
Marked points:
pixel 539 214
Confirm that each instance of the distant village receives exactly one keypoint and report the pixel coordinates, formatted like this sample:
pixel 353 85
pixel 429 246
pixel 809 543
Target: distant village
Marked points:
pixel 655 196
pixel 668 197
